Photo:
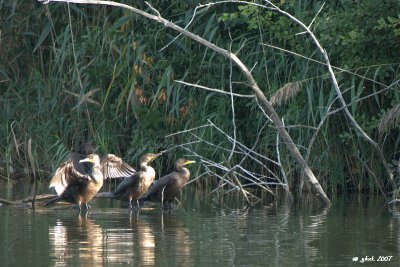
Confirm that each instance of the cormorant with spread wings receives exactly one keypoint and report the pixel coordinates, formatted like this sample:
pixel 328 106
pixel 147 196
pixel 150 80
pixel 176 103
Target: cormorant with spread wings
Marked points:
pixel 79 178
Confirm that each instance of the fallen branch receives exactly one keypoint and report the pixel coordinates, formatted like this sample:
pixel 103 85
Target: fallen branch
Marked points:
pixel 38 199
pixel 26 202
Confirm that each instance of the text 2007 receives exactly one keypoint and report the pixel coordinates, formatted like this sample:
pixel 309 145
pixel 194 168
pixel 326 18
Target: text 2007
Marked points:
pixel 385 258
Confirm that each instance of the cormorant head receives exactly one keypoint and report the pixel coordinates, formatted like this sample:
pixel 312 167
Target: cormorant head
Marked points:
pixel 149 157
pixel 92 158
pixel 86 148
pixel 183 162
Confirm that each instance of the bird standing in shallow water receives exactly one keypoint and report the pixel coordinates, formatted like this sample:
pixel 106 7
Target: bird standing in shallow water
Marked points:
pixel 75 186
pixel 133 187
pixel 169 186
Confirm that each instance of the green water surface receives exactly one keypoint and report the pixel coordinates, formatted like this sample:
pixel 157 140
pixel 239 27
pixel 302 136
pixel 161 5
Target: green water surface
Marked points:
pixel 200 233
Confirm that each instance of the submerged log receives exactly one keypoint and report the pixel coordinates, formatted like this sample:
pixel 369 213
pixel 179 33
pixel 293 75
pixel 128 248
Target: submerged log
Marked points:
pixel 27 202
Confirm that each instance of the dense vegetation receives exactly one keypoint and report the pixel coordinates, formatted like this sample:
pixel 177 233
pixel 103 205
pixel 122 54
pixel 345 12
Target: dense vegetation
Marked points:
pixel 71 73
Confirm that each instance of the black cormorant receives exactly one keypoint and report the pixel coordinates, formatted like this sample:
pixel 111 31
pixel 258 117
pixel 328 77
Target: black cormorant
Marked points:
pixel 133 187
pixel 169 186
pixel 78 181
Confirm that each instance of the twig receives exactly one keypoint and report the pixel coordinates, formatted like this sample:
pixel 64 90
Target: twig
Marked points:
pixel 216 146
pixel 316 15
pixel 289 195
pixel 242 145
pixel 220 177
pixel 180 34
pixel 180 146
pixel 227 171
pixel 242 152
pixel 311 144
pixel 365 97
pixel 152 8
pixel 189 130
pixel 214 90
pixel 323 63
pixel 198 177
pixel 232 103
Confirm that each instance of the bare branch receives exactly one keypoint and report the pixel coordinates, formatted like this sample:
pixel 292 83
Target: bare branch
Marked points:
pixel 316 15
pixel 152 8
pixel 242 145
pixel 214 90
pixel 289 195
pixel 325 64
pixel 232 103
pixel 189 130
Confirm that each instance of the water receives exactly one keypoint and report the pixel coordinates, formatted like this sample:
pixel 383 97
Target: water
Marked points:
pixel 200 233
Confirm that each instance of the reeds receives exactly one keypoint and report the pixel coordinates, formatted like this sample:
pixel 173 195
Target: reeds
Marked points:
pixel 98 74
pixel 283 94
pixel 391 120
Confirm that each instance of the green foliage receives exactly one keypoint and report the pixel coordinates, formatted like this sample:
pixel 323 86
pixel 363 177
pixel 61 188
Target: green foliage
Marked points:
pixel 360 36
pixel 107 75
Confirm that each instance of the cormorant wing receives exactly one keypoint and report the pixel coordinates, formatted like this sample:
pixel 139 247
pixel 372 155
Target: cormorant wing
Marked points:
pixel 128 182
pixel 115 167
pixel 66 175
pixel 158 185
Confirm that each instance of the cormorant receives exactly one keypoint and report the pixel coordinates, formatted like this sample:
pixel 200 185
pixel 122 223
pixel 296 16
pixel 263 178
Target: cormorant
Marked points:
pixel 169 186
pixel 78 181
pixel 133 187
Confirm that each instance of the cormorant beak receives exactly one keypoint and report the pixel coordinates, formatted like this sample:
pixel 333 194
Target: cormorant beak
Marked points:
pixel 88 159
pixel 156 155
pixel 189 162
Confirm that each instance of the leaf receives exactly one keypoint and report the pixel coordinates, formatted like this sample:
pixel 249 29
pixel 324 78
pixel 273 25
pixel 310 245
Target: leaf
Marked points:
pixel 120 22
pixel 43 36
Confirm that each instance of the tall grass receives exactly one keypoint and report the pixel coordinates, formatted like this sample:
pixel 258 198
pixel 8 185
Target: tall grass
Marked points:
pixel 72 73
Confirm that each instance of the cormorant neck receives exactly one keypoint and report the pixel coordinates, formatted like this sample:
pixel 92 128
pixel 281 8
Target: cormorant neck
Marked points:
pixel 185 173
pixel 181 169
pixel 143 165
pixel 97 174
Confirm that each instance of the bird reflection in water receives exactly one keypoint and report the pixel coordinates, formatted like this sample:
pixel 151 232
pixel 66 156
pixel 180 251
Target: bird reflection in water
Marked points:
pixel 76 241
pixel 174 241
pixel 130 241
pixel 83 242
pixel 143 240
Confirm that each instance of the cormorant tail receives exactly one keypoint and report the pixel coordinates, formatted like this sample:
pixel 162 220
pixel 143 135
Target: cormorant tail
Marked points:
pixel 52 201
